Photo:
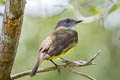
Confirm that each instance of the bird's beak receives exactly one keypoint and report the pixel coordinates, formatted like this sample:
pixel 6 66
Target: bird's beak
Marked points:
pixel 78 21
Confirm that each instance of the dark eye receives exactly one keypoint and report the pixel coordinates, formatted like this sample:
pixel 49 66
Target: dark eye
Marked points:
pixel 68 20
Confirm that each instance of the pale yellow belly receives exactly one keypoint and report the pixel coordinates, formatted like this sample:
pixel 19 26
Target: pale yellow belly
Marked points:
pixel 61 55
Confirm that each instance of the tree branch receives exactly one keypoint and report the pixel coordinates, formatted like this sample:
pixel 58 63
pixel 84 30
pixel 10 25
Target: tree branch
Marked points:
pixel 9 36
pixel 66 66
pixel 82 74
pixel 74 7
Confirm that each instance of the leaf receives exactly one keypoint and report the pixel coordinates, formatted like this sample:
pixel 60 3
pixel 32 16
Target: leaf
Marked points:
pixel 94 10
pixel 115 7
pixel 2 1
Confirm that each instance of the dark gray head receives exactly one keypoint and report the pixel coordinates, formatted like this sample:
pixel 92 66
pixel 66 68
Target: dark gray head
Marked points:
pixel 68 23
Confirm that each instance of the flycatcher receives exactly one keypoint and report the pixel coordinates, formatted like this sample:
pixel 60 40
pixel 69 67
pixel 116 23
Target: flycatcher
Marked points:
pixel 59 43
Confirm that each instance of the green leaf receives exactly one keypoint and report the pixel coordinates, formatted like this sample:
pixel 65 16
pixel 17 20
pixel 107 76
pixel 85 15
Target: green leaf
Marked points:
pixel 115 7
pixel 94 10
pixel 2 1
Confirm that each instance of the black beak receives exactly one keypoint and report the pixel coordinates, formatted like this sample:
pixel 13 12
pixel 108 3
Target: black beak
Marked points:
pixel 78 21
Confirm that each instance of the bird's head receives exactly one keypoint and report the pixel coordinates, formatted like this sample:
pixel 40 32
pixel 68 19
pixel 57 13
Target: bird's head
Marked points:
pixel 67 23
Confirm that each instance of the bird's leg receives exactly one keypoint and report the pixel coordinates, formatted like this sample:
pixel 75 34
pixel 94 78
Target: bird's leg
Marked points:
pixel 64 60
pixel 56 66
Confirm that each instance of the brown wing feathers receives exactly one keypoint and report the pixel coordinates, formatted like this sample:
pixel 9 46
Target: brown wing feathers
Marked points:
pixel 63 38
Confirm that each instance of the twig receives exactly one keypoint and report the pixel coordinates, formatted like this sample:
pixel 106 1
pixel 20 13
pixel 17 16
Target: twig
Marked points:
pixel 94 56
pixel 65 66
pixel 102 15
pixel 78 15
pixel 82 74
pixel 74 5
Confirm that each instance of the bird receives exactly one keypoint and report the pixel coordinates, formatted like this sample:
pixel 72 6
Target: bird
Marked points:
pixel 58 44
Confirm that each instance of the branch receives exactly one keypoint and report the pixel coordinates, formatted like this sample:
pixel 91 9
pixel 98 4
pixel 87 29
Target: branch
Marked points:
pixel 66 66
pixel 94 56
pixel 9 36
pixel 82 74
pixel 75 5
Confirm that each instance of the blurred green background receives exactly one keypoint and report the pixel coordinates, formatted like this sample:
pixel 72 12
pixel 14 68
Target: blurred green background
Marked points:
pixel 92 37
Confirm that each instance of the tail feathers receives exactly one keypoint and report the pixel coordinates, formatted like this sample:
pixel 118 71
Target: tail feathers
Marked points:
pixel 34 70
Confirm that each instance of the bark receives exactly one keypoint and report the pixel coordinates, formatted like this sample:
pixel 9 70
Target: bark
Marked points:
pixel 9 38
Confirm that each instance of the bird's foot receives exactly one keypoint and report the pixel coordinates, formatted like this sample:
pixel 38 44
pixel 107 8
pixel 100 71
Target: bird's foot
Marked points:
pixel 64 60
pixel 59 72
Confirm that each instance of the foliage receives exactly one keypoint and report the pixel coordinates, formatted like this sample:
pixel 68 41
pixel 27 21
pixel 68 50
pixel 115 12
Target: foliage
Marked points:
pixel 2 1
pixel 115 7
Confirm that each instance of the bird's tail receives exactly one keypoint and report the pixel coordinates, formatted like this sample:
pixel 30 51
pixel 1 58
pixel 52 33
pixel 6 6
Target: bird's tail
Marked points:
pixel 35 68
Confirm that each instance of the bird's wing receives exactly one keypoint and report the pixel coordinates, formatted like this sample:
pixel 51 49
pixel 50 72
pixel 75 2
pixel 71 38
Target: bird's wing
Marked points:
pixel 45 44
pixel 60 40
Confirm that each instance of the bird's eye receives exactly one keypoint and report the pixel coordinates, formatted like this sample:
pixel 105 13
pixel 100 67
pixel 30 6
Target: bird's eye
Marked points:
pixel 68 20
